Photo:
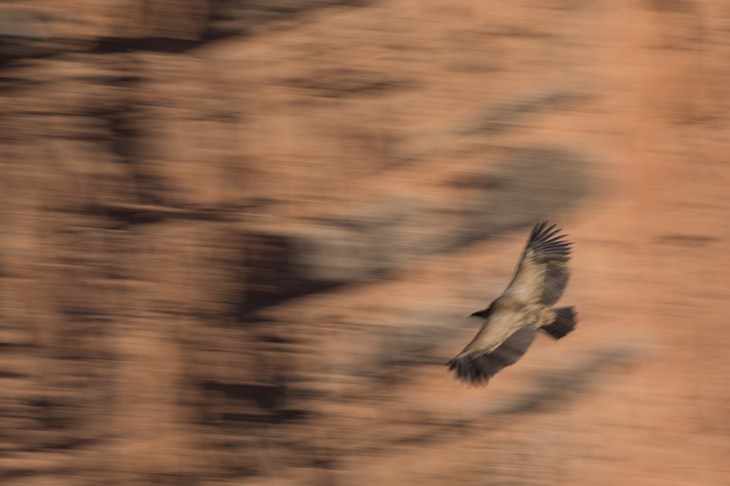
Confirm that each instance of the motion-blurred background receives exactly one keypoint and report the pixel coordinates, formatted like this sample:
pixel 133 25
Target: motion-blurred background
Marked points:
pixel 240 239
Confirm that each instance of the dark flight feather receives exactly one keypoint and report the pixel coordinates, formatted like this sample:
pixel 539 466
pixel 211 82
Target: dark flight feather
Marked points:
pixel 480 367
pixel 546 244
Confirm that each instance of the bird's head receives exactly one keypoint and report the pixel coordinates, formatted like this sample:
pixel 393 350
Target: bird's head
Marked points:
pixel 483 313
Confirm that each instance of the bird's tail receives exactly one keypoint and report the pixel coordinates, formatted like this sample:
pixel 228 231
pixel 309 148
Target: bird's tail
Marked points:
pixel 565 321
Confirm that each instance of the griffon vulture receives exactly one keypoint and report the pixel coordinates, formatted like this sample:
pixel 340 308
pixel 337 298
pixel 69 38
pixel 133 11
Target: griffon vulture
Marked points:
pixel 513 320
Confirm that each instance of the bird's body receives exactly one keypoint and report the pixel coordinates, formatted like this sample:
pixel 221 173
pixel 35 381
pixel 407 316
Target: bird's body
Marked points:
pixel 507 317
pixel 524 308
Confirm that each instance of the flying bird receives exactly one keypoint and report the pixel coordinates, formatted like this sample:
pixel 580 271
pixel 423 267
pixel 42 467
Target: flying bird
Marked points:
pixel 513 319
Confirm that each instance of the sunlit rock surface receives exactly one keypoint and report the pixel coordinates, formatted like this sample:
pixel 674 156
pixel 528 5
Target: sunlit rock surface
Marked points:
pixel 240 240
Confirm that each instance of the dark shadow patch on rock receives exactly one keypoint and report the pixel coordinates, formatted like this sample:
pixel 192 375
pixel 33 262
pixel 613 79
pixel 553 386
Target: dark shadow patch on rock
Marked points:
pixel 370 241
pixel 272 275
pixel 24 33
pixel 111 45
pixel 508 115
pixel 549 390
pixel 237 17
pixel 687 240
pixel 339 83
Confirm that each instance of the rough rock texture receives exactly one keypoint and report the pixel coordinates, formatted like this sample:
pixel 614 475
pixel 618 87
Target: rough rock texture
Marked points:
pixel 240 239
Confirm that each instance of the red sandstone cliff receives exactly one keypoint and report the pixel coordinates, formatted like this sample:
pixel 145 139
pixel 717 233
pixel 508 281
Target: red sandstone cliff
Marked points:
pixel 240 239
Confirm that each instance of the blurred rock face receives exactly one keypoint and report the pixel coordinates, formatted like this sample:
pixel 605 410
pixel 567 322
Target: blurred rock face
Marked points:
pixel 240 239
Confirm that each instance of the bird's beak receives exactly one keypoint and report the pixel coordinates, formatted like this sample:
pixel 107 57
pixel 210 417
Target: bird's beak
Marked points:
pixel 478 314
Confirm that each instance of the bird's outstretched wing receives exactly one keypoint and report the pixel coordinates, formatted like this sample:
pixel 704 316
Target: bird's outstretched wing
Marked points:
pixel 478 367
pixel 543 272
